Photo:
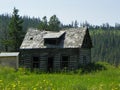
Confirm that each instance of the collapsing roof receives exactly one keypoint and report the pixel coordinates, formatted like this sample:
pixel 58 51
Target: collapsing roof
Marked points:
pixel 71 38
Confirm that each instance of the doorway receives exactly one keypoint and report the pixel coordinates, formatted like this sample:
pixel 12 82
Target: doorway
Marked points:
pixel 35 62
pixel 64 62
pixel 50 64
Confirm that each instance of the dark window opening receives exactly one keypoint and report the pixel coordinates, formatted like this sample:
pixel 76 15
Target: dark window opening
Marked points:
pixel 35 62
pixel 51 41
pixel 64 62
pixel 50 64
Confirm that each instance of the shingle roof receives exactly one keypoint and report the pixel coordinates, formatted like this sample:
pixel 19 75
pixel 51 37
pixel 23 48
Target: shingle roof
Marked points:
pixel 35 38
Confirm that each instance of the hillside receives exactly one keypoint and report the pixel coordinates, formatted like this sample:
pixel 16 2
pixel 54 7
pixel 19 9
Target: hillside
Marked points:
pixel 106 45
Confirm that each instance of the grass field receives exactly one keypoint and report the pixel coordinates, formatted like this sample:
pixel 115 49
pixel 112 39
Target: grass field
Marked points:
pixel 108 79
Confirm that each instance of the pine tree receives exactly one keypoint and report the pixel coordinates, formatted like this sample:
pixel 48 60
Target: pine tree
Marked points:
pixel 54 23
pixel 43 24
pixel 15 30
pixel 4 42
pixel 76 24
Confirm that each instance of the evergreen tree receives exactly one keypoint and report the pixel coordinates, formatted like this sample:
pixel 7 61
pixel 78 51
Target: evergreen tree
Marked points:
pixel 4 43
pixel 43 24
pixel 4 39
pixel 76 24
pixel 54 23
pixel 15 30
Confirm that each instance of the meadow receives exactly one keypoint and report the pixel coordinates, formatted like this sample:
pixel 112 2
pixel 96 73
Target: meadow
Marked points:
pixel 107 79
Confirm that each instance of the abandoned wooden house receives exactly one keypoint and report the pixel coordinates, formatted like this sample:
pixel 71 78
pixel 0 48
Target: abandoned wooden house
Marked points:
pixel 47 50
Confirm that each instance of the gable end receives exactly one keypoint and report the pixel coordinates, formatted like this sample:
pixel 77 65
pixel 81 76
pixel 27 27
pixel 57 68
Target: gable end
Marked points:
pixel 87 42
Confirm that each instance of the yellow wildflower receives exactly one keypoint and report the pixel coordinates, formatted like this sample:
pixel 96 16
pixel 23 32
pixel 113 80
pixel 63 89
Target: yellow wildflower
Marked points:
pixel 14 85
pixel 0 80
pixel 35 89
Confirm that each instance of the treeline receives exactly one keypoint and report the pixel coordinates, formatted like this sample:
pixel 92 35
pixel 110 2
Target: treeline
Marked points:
pixel 45 24
pixel 105 38
pixel 106 45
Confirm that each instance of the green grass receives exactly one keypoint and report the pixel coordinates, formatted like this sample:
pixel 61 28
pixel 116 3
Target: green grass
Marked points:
pixel 108 79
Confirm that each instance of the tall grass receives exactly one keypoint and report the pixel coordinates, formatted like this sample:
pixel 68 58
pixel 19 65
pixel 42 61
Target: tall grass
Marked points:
pixel 107 79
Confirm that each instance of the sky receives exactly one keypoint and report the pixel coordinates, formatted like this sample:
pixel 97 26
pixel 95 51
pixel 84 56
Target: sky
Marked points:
pixel 95 12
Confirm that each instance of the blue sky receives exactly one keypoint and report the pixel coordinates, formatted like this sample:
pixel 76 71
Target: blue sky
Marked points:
pixel 94 11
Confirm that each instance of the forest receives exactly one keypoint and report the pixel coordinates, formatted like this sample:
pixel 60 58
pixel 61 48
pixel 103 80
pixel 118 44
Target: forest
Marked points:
pixel 105 38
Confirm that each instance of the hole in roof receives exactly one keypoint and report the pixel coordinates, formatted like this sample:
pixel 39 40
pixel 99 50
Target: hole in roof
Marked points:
pixel 31 38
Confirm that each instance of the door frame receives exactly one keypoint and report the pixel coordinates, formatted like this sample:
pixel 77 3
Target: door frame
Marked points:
pixel 50 64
